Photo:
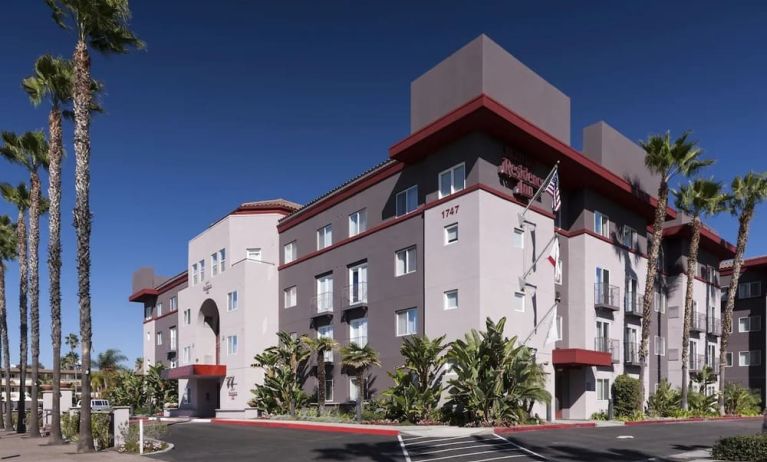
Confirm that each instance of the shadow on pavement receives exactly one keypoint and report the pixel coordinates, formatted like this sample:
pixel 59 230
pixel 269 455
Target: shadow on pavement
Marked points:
pixel 385 451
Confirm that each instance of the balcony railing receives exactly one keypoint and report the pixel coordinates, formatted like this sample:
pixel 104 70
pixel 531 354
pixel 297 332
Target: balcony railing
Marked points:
pixel 713 363
pixel 633 304
pixel 608 345
pixel 714 326
pixel 607 296
pixel 355 294
pixel 698 322
pixel 323 302
pixel 631 353
pixel 697 362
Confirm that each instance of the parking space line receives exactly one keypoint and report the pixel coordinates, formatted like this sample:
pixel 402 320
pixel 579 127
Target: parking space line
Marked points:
pixel 465 447
pixel 438 439
pixel 475 440
pixel 496 458
pixel 454 456
pixel 532 453
pixel 404 451
pixel 412 438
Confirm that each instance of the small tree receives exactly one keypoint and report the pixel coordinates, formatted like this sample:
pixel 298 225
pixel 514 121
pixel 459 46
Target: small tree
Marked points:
pixel 285 367
pixel 664 401
pixel 627 396
pixel 356 360
pixel 319 346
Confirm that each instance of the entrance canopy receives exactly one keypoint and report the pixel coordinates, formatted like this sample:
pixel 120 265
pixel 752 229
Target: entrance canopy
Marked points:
pixel 576 357
pixel 195 371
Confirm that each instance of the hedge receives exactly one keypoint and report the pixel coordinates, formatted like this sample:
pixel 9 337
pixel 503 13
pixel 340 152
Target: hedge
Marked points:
pixel 627 396
pixel 745 447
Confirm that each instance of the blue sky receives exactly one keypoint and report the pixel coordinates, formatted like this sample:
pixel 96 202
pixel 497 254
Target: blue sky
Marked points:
pixel 254 100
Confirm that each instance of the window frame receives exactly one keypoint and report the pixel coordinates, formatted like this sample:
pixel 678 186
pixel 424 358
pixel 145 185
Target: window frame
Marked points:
pixel 285 296
pixel 407 268
pixel 751 361
pixel 523 298
pixel 605 388
pixel 405 312
pixel 293 246
pixel 518 235
pixel 232 301
pixel 253 250
pixel 232 345
pixel 604 224
pixel 447 230
pixel 451 172
pixel 158 338
pixel 405 193
pixel 361 223
pixel 325 236
pixel 446 295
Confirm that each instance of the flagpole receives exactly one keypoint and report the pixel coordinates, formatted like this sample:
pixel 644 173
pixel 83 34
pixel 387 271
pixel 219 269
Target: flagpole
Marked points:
pixel 538 193
pixel 535 329
pixel 543 252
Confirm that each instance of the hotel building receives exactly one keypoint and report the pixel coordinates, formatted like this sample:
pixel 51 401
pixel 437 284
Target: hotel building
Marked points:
pixel 448 232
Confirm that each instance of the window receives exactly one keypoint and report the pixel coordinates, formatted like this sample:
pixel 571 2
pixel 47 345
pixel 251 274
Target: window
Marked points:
pixel 601 224
pixel 750 324
pixel 148 336
pixel 159 337
pixel 407 322
pixel 173 338
pixel 195 274
pixel 354 389
pixel 660 345
pixel 324 236
pixel 629 237
pixel 358 331
pixel 289 252
pixel 728 358
pixel 326 332
pixel 405 261
pixel 231 301
pixel 519 302
pixel 328 390
pixel 187 398
pixel 201 264
pixel 289 296
pixel 173 303
pixel 750 358
pixel 231 345
pixel 452 180
pixel 173 363
pixel 559 327
pixel 358 222
pixel 749 289
pixel 325 293
pixel 358 284
pixel 407 200
pixel 222 260
pixel 187 317
pixel 214 264
pixel 451 233
pixel 253 254
pixel 450 301
pixel 518 238
pixel 159 310
pixel 148 311
pixel 603 389
pixel 659 302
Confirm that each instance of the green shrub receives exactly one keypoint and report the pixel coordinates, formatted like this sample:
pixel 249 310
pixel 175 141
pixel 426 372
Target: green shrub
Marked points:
pixel 702 405
pixel 665 401
pixel 152 431
pixel 70 426
pixel 739 400
pixel 627 396
pixel 70 429
pixel 745 447
pixel 601 415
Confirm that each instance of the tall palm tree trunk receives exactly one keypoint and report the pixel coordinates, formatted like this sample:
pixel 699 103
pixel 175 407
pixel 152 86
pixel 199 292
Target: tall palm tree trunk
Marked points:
pixel 649 293
pixel 692 263
pixel 740 247
pixel 360 393
pixel 82 218
pixel 3 350
pixel 6 349
pixel 320 382
pixel 21 229
pixel 54 264
pixel 34 300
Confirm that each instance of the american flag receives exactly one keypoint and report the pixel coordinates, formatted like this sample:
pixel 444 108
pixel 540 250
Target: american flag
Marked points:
pixel 553 189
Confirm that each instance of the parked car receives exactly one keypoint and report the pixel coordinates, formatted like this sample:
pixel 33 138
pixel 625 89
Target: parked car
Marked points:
pixel 98 405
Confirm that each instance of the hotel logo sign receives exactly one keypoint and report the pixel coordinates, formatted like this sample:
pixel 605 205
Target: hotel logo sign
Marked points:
pixel 515 173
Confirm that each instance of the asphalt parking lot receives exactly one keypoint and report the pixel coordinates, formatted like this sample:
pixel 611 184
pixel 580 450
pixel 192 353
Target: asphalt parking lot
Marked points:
pixel 476 448
pixel 654 442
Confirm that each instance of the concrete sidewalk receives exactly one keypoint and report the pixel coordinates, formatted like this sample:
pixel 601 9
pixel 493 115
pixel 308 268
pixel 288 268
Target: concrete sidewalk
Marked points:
pixel 16 447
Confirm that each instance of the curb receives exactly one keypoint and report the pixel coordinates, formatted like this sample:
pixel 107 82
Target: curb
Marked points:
pixel 534 428
pixel 688 420
pixel 311 427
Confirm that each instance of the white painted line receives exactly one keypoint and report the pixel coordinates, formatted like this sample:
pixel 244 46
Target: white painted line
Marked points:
pixel 624 437
pixel 486 445
pixel 496 458
pixel 463 455
pixel 416 438
pixel 402 446
pixel 534 454
pixel 448 444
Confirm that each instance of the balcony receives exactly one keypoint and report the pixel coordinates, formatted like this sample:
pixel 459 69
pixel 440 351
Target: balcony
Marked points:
pixel 633 304
pixel 355 295
pixel 698 322
pixel 714 326
pixel 323 302
pixel 608 345
pixel 713 363
pixel 631 353
pixel 697 363
pixel 607 296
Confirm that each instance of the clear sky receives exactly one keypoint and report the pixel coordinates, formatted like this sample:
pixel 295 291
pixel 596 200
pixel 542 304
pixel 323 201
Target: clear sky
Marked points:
pixel 235 101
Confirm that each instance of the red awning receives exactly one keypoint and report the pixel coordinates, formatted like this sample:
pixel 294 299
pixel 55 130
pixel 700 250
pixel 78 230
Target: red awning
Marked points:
pixel 142 294
pixel 195 371
pixel 580 357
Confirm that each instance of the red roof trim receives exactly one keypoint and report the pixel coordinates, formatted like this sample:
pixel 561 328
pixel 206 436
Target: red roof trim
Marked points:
pixel 578 232
pixel 580 357
pixel 753 262
pixel 709 239
pixel 175 281
pixel 155 318
pixel 140 295
pixel 195 371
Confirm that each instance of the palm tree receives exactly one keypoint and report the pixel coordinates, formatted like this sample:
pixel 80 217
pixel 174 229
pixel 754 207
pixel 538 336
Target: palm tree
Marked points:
pixel 110 360
pixel 665 159
pixel 138 365
pixel 103 25
pixel 699 197
pixel 319 346
pixel 357 360
pixel 52 81
pixel 7 252
pixel 30 150
pixel 72 341
pixel 747 192
pixel 19 196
